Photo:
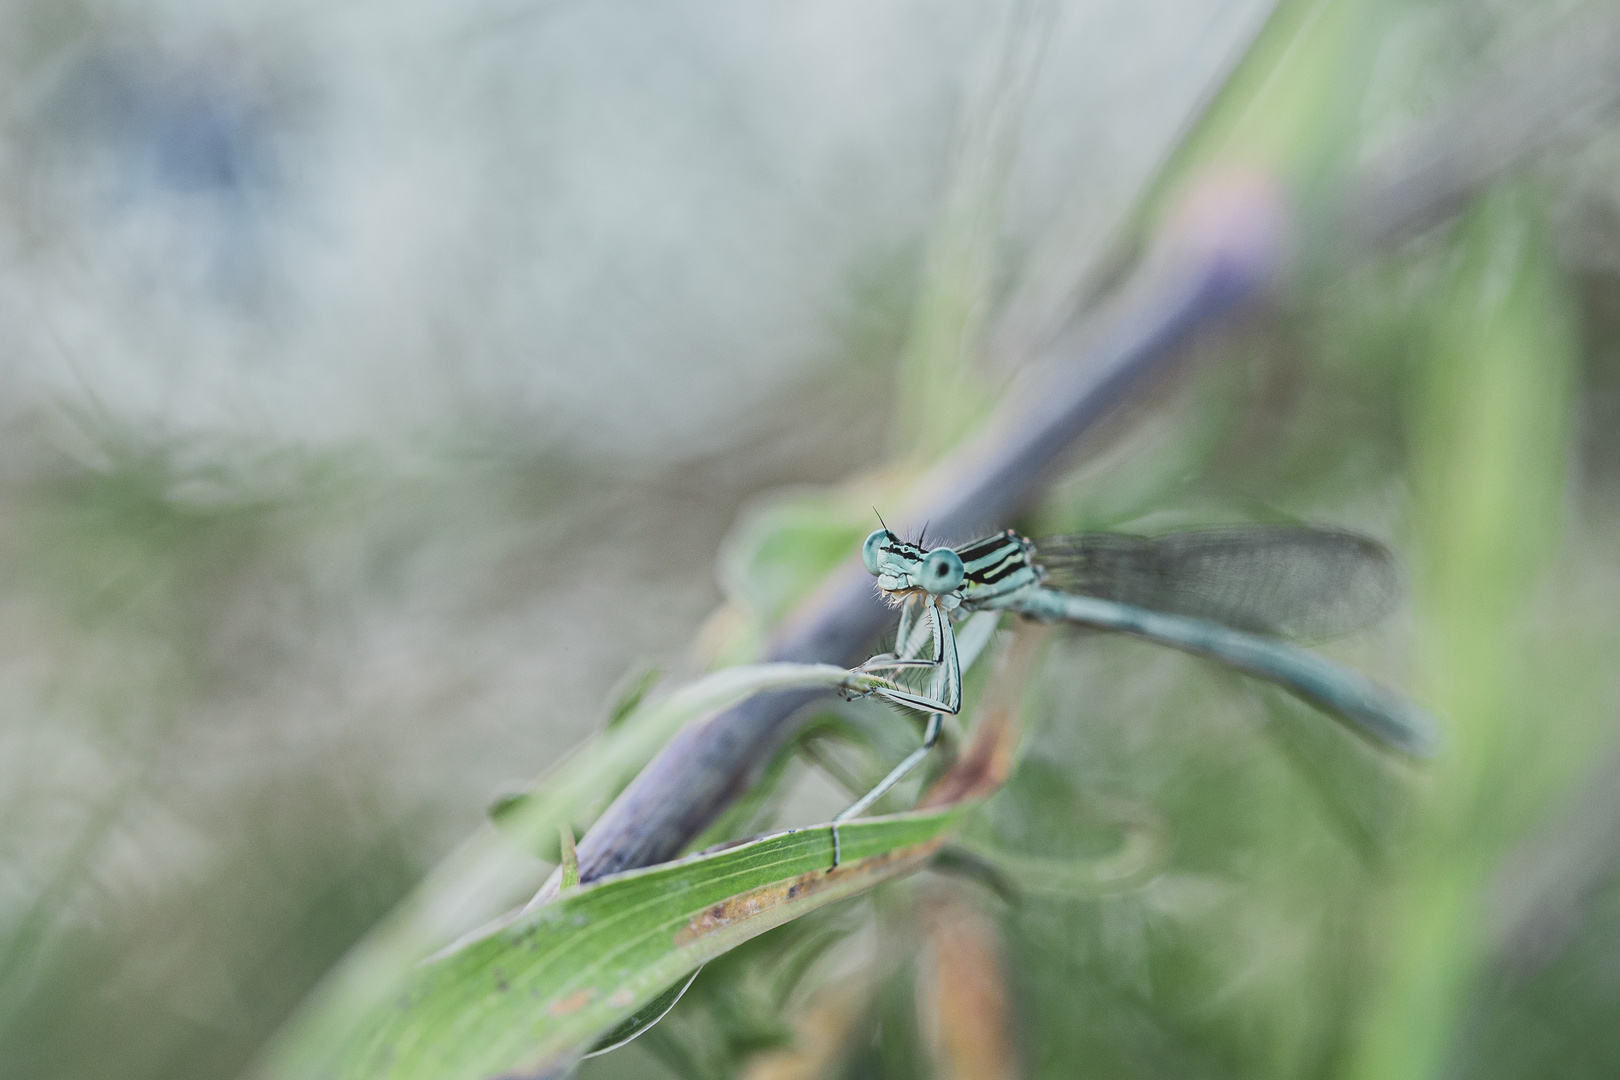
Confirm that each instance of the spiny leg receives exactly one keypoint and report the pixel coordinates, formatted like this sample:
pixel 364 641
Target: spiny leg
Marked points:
pixel 946 684
pixel 946 699
pixel 905 647
pixel 896 774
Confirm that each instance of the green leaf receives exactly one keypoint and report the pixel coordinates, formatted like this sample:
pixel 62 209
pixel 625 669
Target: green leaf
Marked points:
pixel 779 552
pixel 644 1017
pixel 631 691
pixel 570 857
pixel 1491 441
pixel 532 995
pixel 528 996
pixel 478 880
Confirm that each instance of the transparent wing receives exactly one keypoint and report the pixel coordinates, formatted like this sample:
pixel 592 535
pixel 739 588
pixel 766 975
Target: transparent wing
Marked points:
pixel 1289 580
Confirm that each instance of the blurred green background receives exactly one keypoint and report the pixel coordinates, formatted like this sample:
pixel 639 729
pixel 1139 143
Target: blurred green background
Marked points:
pixel 379 383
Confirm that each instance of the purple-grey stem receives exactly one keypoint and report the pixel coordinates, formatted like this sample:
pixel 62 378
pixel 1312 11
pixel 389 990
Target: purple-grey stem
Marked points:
pixel 1224 255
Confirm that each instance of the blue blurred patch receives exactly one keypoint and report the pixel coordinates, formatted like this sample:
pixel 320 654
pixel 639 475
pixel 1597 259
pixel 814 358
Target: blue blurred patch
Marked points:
pixel 183 163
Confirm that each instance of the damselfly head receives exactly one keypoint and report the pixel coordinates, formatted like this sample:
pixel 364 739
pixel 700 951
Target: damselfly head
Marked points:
pixel 902 567
pixel 878 549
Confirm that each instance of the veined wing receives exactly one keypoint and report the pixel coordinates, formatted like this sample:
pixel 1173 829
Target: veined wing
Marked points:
pixel 1288 580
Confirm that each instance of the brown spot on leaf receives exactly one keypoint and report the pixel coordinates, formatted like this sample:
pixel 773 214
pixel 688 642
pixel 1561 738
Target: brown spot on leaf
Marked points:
pixel 755 902
pixel 573 1002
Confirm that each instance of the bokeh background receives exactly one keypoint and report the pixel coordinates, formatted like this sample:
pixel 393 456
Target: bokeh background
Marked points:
pixel 381 383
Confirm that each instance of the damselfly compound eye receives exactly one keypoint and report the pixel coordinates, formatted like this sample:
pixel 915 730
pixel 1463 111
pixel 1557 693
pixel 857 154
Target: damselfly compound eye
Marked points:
pixel 942 571
pixel 871 551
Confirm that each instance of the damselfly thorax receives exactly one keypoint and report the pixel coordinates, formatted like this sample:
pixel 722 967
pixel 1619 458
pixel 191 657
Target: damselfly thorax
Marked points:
pixel 997 568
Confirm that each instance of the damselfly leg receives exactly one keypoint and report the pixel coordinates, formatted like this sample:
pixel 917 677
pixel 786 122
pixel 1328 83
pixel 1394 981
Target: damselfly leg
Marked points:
pixel 945 688
pixel 897 774
pixel 946 685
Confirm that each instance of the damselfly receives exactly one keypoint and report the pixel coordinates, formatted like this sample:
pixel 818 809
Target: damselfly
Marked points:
pixel 1228 594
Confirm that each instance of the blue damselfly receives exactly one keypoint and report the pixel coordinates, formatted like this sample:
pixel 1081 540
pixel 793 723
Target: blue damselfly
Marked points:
pixel 1228 594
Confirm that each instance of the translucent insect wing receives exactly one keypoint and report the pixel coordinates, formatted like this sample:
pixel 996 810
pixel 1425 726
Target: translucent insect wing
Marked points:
pixel 1293 581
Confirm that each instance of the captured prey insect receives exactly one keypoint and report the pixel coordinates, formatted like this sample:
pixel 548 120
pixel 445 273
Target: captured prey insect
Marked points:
pixel 1228 594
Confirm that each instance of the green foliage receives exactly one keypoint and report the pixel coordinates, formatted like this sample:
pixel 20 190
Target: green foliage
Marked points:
pixel 1189 875
pixel 776 555
pixel 459 897
pixel 1212 904
pixel 530 996
pixel 1490 427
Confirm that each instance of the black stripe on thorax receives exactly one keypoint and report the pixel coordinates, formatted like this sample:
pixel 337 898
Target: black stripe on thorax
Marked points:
pixel 995 557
